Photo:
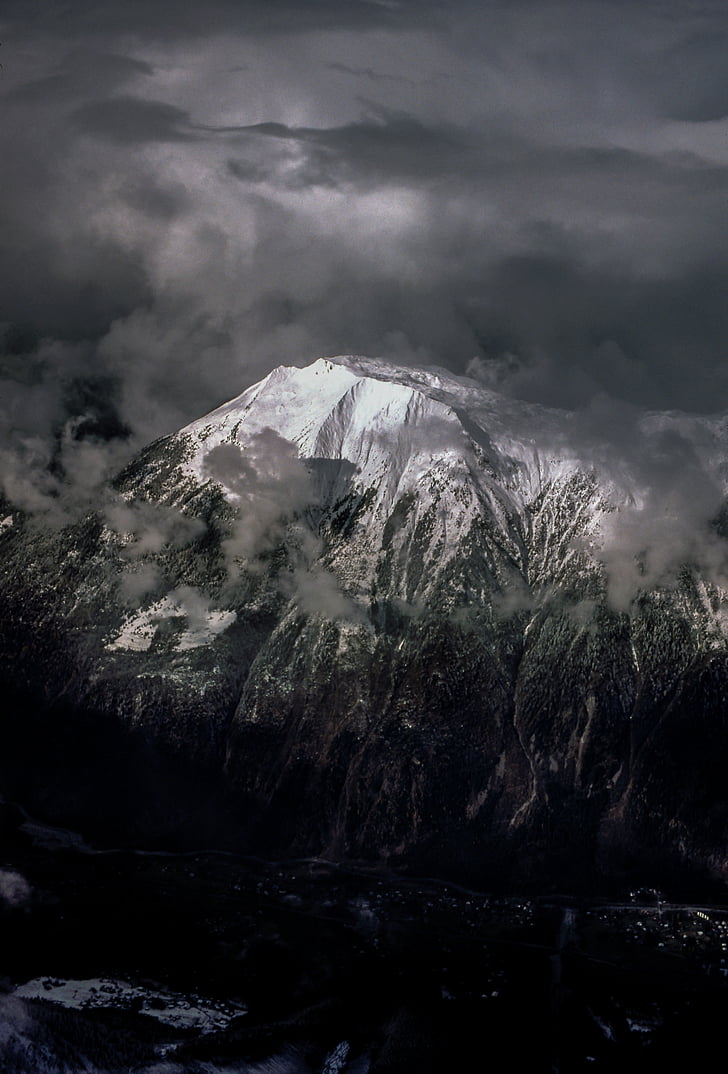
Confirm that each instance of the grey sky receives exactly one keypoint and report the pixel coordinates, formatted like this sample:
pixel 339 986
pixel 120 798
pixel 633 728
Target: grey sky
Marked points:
pixel 192 194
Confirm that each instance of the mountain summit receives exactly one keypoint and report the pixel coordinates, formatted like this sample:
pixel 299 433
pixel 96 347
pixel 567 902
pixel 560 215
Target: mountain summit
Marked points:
pixel 384 613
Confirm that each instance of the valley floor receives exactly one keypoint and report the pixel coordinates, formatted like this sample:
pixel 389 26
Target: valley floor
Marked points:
pixel 208 964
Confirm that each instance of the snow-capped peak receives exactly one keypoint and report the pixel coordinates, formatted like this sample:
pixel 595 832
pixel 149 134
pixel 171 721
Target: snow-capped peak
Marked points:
pixel 388 422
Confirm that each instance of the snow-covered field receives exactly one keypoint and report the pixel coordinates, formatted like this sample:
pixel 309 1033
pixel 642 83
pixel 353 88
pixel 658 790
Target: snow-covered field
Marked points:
pixel 170 1008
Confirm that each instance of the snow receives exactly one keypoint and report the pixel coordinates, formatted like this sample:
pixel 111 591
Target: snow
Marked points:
pixel 200 624
pixel 6 523
pixel 295 402
pixel 137 633
pixel 215 622
pixel 604 1026
pixel 640 1027
pixel 171 1008
pixel 385 419
pixel 462 451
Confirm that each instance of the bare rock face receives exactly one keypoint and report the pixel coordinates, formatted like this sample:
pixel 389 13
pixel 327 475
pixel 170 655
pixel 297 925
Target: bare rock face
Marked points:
pixel 381 613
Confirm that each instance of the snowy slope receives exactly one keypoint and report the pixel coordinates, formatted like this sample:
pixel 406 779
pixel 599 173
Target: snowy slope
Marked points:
pixel 390 421
pixel 397 424
pixel 454 452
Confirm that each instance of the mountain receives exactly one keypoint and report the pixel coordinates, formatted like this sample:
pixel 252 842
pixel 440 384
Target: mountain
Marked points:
pixel 380 613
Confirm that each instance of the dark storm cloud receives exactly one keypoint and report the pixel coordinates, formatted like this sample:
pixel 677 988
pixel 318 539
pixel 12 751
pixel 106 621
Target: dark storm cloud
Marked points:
pixel 578 308
pixel 366 72
pixel 576 330
pixel 380 148
pixel 59 277
pixel 164 203
pixel 386 145
pixel 80 72
pixel 689 78
pixel 170 20
pixel 126 120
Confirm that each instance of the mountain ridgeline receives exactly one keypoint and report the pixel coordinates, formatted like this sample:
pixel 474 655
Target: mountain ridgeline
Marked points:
pixel 366 612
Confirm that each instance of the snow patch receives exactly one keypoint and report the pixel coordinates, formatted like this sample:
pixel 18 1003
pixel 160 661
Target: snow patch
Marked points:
pixel 199 623
pixel 640 1027
pixel 171 1008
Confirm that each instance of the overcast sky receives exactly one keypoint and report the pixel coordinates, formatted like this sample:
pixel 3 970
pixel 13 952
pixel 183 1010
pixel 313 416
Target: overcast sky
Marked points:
pixel 194 193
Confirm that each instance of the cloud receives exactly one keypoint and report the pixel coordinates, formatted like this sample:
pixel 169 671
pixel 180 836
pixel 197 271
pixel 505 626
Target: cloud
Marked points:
pixel 669 524
pixel 80 72
pixel 317 592
pixel 440 252
pixel 15 890
pixel 149 527
pixel 139 581
pixel 382 147
pixel 665 477
pixel 689 77
pixel 269 486
pixel 194 605
pixel 60 474
pixel 366 72
pixel 274 493
pixel 186 19
pixel 128 120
